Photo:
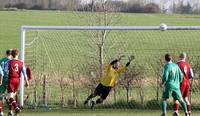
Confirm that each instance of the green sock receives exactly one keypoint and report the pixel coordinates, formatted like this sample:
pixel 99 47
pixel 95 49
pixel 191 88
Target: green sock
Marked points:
pixel 164 107
pixel 183 104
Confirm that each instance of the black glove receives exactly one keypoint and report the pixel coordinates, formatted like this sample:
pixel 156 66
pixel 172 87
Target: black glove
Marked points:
pixel 130 59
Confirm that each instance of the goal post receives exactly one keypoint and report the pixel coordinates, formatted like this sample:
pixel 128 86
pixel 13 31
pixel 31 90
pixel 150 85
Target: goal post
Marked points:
pixel 24 30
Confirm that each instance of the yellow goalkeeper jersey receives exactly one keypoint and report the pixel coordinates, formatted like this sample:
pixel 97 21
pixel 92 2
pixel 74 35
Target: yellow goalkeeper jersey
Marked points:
pixel 110 75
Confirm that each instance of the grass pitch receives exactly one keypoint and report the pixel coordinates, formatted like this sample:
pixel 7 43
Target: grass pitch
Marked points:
pixel 11 21
pixel 96 112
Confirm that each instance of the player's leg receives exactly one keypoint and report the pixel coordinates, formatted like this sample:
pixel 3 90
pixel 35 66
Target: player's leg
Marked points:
pixel 104 92
pixel 176 103
pixel 12 90
pixel 2 91
pixel 177 96
pixel 185 97
pixel 93 94
pixel 163 103
pixel 10 102
pixel 1 104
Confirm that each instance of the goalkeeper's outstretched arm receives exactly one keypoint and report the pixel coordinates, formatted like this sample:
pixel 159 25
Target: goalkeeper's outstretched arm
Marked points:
pixel 130 59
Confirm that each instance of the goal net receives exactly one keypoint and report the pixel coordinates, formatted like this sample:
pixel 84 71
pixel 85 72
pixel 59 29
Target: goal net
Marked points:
pixel 68 61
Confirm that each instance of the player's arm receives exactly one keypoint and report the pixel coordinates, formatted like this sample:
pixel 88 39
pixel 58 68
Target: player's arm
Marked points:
pixel 25 76
pixel 6 68
pixel 180 75
pixel 130 59
pixel 123 69
pixel 1 75
pixel 165 75
pixel 29 73
pixel 191 74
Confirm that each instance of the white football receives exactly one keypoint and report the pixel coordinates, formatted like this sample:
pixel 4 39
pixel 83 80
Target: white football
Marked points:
pixel 163 27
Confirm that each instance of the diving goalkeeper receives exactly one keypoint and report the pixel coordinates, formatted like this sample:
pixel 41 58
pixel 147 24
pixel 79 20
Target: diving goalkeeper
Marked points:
pixel 108 80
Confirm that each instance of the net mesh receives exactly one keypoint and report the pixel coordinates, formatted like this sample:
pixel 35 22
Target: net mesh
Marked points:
pixel 66 65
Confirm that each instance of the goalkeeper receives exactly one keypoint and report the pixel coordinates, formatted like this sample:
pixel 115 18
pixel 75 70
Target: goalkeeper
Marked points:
pixel 172 77
pixel 108 80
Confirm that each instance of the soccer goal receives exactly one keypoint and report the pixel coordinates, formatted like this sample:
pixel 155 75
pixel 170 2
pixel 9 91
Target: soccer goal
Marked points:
pixel 68 61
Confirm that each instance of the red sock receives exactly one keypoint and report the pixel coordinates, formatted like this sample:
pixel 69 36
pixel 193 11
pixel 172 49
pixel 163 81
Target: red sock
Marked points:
pixel 11 108
pixel 176 107
pixel 12 102
pixel 189 108
pixel 1 106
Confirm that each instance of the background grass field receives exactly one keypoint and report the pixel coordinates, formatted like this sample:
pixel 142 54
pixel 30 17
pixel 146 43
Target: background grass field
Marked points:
pixel 113 112
pixel 11 21
pixel 141 44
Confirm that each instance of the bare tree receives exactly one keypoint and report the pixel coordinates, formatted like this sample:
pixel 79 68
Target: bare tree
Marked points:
pixel 158 70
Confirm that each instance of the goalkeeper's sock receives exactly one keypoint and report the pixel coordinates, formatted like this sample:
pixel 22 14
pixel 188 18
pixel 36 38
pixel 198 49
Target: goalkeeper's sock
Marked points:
pixel 176 105
pixel 89 97
pixel 183 104
pixel 98 101
pixel 164 107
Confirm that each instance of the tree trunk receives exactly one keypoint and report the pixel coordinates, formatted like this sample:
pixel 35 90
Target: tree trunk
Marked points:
pixel 73 91
pixel 127 94
pixel 157 89
pixel 115 98
pixel 101 55
pixel 44 90
pixel 141 95
pixel 35 96
pixel 62 97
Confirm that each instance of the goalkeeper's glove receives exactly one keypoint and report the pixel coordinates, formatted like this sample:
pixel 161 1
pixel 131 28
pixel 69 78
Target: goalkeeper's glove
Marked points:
pixel 130 59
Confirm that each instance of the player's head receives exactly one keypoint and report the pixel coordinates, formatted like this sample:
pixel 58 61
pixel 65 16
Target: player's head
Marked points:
pixel 168 57
pixel 8 52
pixel 183 56
pixel 15 53
pixel 116 64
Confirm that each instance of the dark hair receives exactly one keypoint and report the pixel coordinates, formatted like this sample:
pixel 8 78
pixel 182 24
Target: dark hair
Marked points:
pixel 8 52
pixel 168 57
pixel 14 53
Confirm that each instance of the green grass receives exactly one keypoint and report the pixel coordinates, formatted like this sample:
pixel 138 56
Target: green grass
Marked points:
pixel 72 47
pixel 97 112
pixel 11 21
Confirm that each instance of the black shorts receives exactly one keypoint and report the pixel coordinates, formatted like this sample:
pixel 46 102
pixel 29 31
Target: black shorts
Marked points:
pixel 102 91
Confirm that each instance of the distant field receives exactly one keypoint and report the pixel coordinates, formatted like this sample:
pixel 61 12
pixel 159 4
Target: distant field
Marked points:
pixel 75 52
pixel 11 21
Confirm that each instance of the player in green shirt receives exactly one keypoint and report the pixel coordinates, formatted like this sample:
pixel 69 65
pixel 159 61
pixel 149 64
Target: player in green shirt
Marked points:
pixel 4 85
pixel 172 77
